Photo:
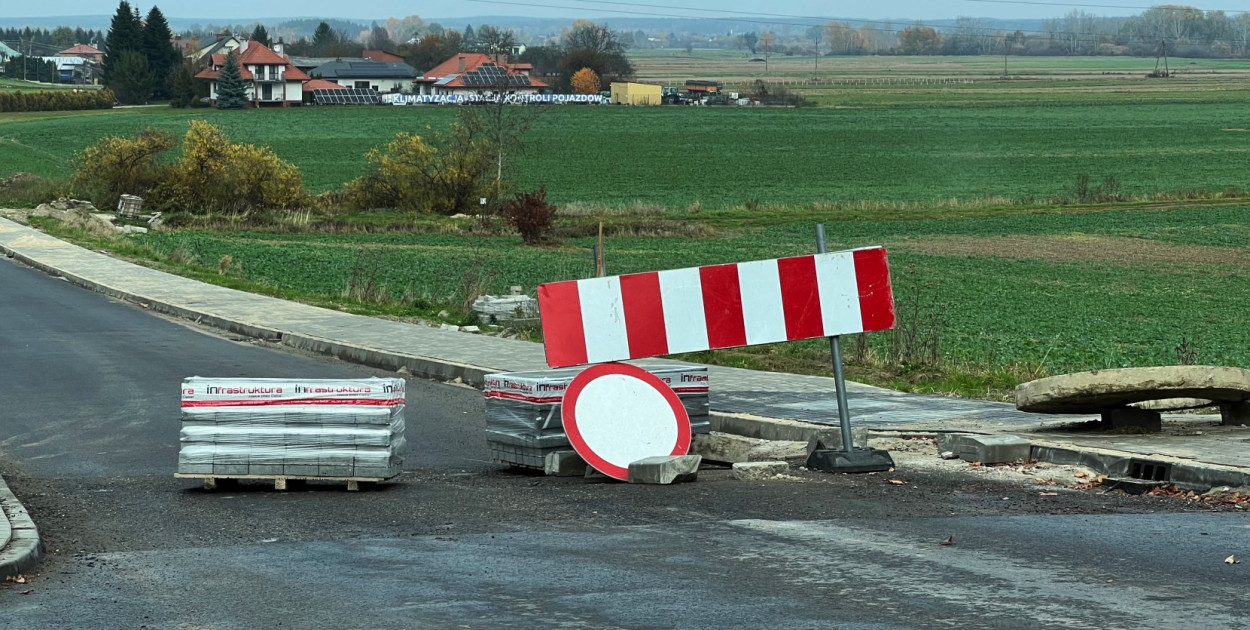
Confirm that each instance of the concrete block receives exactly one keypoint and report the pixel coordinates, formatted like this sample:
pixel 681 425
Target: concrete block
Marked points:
pixel 725 448
pixel 564 464
pixel 373 472
pixel 831 439
pixel 756 471
pixel 230 469
pixel 195 469
pixel 1132 417
pixel 1235 413
pixel 299 470
pixel 948 444
pixel 334 470
pixel 264 469
pixel 994 449
pixel 665 469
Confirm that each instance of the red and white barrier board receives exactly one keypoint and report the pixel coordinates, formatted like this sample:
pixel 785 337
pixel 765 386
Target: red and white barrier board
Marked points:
pixel 719 306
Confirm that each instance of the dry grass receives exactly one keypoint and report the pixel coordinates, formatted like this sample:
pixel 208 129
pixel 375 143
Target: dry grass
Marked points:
pixel 1078 247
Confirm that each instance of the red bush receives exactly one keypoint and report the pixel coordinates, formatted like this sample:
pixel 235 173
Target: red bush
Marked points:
pixel 531 215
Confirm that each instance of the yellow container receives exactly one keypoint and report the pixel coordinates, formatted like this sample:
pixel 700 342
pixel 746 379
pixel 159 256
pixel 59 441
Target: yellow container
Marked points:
pixel 635 94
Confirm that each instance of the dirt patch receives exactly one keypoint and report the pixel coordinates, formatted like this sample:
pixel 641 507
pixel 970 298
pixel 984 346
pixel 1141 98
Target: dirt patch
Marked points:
pixel 1068 248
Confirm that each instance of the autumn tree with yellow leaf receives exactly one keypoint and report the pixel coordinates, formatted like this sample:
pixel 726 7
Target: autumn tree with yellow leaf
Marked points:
pixel 585 81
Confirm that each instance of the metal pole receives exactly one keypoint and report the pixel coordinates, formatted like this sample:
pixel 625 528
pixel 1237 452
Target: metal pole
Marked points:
pixel 839 377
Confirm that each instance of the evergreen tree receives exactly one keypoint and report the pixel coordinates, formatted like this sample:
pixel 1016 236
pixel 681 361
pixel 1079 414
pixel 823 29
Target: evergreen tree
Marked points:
pixel 261 35
pixel 158 47
pixel 324 39
pixel 125 33
pixel 470 38
pixel 183 89
pixel 131 79
pixel 231 91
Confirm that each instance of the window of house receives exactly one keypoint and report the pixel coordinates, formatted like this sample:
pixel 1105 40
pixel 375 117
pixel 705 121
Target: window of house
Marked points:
pixel 362 85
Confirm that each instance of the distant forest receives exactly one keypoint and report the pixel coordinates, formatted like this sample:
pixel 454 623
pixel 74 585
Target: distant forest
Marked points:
pixel 1173 30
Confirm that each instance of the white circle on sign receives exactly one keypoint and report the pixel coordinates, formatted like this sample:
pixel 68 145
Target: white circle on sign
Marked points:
pixel 616 413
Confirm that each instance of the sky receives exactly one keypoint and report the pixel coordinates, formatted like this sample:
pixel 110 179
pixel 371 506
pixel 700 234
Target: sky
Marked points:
pixel 239 10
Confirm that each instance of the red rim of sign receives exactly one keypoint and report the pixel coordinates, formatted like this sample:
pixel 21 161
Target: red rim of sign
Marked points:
pixel 589 375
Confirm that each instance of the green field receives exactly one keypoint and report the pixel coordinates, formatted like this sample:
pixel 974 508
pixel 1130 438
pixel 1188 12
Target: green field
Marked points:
pixel 1064 291
pixel 969 179
pixel 725 157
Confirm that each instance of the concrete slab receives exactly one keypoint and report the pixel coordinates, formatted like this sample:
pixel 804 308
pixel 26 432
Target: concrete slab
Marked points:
pixel 1096 391
pixel 993 449
pixel 759 471
pixel 665 470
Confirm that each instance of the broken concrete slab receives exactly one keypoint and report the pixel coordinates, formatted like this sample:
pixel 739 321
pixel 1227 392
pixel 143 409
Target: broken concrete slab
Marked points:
pixel 725 448
pixel 948 444
pixel 757 471
pixel 994 449
pixel 1097 391
pixel 564 464
pixel 665 470
pixel 825 439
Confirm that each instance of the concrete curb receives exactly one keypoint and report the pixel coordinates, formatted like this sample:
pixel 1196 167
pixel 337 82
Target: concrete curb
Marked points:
pixel 1184 472
pixel 21 553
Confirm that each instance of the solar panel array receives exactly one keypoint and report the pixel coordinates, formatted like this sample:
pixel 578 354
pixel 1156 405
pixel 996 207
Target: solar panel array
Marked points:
pixel 347 96
pixel 489 74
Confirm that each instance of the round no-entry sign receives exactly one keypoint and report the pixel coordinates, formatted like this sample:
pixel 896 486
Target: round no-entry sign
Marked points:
pixel 616 413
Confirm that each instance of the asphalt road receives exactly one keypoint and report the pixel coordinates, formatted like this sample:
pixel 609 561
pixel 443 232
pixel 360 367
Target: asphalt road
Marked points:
pixel 89 438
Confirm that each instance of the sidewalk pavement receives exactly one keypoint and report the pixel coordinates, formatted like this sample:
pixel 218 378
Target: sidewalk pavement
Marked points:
pixel 748 402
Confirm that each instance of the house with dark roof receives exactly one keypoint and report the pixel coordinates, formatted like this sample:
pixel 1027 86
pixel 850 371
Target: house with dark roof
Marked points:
pixel 382 56
pixel 271 78
pixel 223 45
pixel 380 76
pixel 477 73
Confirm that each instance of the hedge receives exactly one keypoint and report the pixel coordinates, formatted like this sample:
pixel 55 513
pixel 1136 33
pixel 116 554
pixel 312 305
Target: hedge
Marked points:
pixel 51 101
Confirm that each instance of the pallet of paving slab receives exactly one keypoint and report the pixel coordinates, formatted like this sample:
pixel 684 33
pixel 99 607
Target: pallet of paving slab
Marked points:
pixel 279 481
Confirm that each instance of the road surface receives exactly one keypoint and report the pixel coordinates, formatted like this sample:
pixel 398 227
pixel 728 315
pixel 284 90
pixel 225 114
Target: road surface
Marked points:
pixel 89 438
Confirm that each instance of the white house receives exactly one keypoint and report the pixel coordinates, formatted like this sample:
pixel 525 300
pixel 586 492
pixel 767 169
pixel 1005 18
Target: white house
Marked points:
pixel 271 79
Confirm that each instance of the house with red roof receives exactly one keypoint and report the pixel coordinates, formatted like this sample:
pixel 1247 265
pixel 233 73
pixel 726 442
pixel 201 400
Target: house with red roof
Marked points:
pixel 90 53
pixel 271 78
pixel 477 73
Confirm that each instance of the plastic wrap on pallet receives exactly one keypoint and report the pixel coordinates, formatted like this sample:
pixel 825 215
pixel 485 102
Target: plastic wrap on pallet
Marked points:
pixel 523 419
pixel 294 414
pixel 261 436
pixel 227 392
pixel 292 427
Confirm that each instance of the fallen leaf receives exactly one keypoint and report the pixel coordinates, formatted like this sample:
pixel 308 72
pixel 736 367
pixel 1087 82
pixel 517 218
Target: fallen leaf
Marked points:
pixel 1048 494
pixel 1232 560
pixel 1080 475
pixel 897 482
pixel 975 464
pixel 950 540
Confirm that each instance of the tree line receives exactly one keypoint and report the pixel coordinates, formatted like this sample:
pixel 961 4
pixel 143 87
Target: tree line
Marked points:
pixel 1177 30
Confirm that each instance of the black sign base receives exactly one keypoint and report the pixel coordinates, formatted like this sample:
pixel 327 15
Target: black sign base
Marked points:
pixel 860 460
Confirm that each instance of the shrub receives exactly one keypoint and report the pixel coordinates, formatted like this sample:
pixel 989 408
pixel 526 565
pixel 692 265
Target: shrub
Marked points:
pixel 415 176
pixel 116 165
pixel 531 215
pixel 216 174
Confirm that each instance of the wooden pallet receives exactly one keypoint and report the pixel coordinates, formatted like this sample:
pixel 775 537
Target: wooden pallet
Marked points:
pixel 279 481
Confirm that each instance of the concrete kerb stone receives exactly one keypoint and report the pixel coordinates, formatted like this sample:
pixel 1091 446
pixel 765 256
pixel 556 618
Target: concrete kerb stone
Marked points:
pixel 23 548
pixel 1185 473
pixel 422 367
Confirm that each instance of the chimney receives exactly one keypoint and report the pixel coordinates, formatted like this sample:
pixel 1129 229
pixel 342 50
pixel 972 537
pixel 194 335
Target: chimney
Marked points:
pixel 278 47
pixel 461 59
